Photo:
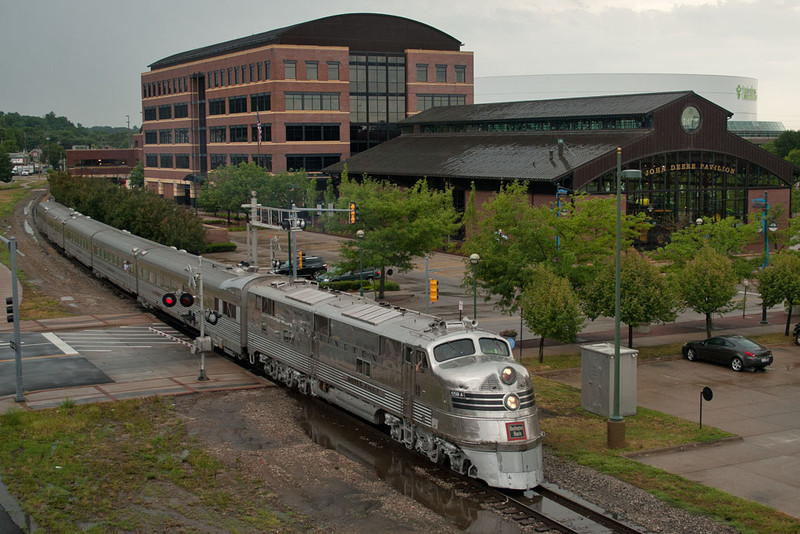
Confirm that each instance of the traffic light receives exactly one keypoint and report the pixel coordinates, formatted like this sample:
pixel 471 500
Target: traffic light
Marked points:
pixel 186 299
pixel 9 310
pixel 434 290
pixel 169 300
pixel 300 259
pixel 353 213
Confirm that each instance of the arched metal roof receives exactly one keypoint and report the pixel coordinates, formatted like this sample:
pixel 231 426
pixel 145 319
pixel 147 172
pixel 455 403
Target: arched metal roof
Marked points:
pixel 360 32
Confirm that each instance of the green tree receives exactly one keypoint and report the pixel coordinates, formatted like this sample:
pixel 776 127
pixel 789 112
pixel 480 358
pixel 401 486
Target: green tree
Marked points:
pixel 6 169
pixel 707 284
pixel 645 294
pixel 780 282
pixel 784 144
pixel 227 188
pixel 514 236
pixel 141 212
pixel 550 308
pixel 399 224
pixel 727 236
pixel 137 175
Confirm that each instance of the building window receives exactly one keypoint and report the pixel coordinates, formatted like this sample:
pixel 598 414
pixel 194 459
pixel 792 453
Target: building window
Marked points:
pixel 434 101
pixel 422 73
pixel 182 161
pixel 461 74
pixel 165 161
pixel 441 73
pixel 312 132
pixel 333 70
pixel 236 159
pixel 217 134
pixel 216 106
pixel 266 70
pixel 181 135
pixel 164 112
pixel 311 162
pixel 260 102
pixel 290 69
pixel 150 113
pixel 165 137
pixel 263 160
pixel 150 137
pixel 230 75
pixel 216 78
pixel 363 367
pixel 218 160
pixel 237 104
pixel 266 133
pixel 151 160
pixel 260 71
pixel 238 134
pixel 312 70
pixel 181 110
pixel 253 72
pixel 312 101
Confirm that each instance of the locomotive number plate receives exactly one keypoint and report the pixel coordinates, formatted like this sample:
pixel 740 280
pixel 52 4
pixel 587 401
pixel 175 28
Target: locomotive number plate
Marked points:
pixel 515 431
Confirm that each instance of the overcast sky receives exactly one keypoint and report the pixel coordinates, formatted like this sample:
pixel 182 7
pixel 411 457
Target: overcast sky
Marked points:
pixel 83 58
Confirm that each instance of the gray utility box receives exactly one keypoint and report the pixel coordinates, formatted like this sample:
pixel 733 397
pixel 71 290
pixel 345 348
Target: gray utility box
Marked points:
pixel 597 380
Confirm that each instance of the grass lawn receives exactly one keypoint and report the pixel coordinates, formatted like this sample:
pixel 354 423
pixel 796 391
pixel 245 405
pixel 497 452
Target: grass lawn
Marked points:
pixel 127 466
pixel 581 436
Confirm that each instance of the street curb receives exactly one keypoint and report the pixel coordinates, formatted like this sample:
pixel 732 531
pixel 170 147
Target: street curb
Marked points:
pixel 684 447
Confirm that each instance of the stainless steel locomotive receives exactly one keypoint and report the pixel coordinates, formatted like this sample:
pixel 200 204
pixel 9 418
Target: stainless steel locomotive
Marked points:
pixel 446 389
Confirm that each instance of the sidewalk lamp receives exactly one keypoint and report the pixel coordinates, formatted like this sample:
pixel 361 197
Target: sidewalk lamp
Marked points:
pixel 360 236
pixel 763 203
pixel 616 424
pixel 474 259
pixel 559 193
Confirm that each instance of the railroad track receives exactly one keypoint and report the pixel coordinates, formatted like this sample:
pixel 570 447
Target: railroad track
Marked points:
pixel 543 509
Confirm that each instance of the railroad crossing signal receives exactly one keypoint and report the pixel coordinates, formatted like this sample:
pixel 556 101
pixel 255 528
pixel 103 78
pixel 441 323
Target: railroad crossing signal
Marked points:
pixel 434 285
pixel 169 300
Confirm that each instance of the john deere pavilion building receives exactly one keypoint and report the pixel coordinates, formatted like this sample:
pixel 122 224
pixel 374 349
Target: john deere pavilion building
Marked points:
pixel 691 165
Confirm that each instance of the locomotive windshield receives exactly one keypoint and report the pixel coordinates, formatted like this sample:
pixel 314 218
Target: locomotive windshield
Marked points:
pixel 466 347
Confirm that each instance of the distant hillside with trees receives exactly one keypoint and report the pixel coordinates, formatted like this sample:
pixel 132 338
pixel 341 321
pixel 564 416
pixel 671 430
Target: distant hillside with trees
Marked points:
pixel 54 135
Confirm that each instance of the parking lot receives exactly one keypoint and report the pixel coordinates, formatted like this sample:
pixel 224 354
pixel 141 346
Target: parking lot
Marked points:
pixel 761 407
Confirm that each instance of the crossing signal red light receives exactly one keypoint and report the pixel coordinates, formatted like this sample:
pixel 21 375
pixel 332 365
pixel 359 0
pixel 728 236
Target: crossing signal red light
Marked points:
pixel 169 300
pixel 186 299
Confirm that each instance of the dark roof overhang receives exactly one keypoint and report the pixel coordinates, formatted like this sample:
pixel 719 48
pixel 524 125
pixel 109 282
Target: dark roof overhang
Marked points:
pixel 360 32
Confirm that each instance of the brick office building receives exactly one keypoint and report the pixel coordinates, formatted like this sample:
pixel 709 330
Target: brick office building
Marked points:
pixel 305 96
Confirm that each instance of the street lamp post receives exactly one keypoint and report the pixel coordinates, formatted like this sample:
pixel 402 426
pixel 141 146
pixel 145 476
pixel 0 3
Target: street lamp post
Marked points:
pixel 474 259
pixel 763 203
pixel 559 193
pixel 616 424
pixel 360 236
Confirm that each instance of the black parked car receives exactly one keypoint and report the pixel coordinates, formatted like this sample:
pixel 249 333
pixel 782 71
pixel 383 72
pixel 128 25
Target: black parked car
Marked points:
pixel 336 275
pixel 736 351
pixel 796 334
pixel 308 268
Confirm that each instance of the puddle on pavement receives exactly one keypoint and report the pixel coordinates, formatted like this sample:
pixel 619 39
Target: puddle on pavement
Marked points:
pixel 398 468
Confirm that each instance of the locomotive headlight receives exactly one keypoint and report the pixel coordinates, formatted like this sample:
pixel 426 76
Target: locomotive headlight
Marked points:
pixel 512 402
pixel 508 376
